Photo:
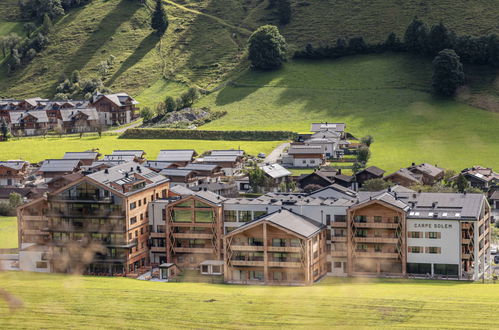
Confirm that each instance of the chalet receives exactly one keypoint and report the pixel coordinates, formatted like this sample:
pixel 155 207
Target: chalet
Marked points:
pixel 52 168
pixel 13 172
pixel 212 172
pixel 29 122
pixel 224 189
pixel 138 154
pixel 86 157
pixel 26 193
pixel 335 127
pixel 278 248
pixel 115 109
pixel 316 178
pixel 334 191
pixel 229 152
pixel 277 174
pixel 299 155
pixel 120 159
pixel 481 177
pixel 79 120
pixel 230 164
pixel 186 178
pixel 428 174
pixel 346 181
pixel 404 177
pixel 494 199
pixel 181 157
pixel 372 172
pixel 62 181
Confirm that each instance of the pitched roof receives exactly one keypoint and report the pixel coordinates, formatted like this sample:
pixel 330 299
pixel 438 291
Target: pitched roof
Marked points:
pixel 227 153
pixel 18 116
pixel 176 172
pixel 405 173
pixel 122 158
pixel 373 170
pixel 481 173
pixel 157 164
pixel 14 164
pixel 298 149
pixel 136 153
pixel 59 165
pixel 495 195
pixel 296 223
pixel 70 114
pixel 386 197
pixel 275 171
pixel 81 155
pixel 180 155
pixel 349 193
pixel 200 167
pixel 219 159
pixel 344 178
pixel 127 173
pixel 315 173
pixel 429 169
pixel 340 127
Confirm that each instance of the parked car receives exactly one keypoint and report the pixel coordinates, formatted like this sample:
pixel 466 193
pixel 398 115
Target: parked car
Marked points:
pixel 262 155
pixel 496 259
pixel 493 250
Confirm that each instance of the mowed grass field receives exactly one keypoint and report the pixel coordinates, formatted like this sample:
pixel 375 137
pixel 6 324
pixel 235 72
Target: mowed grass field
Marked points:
pixel 8 233
pixel 387 96
pixel 59 301
pixel 38 149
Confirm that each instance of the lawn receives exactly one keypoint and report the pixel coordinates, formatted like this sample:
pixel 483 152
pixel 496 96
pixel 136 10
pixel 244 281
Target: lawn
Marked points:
pixel 59 301
pixel 37 149
pixel 8 232
pixel 386 96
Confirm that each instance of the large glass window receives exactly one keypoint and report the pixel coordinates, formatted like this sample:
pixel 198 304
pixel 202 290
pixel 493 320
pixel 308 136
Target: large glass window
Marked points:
pixel 416 268
pixel 244 216
pixel 230 216
pixel 182 215
pixel 445 269
pixel 204 216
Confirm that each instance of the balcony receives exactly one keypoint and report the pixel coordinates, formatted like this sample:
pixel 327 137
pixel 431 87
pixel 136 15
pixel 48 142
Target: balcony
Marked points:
pixel 247 263
pixel 466 225
pixel 193 235
pixel 193 250
pixel 157 235
pixel 338 224
pixel 388 240
pixel 465 240
pixel 383 225
pixel 86 228
pixel 158 249
pixel 85 214
pixel 465 256
pixel 82 199
pixel 283 249
pixel 338 238
pixel 286 264
pixel 338 253
pixel 246 247
pixel 386 255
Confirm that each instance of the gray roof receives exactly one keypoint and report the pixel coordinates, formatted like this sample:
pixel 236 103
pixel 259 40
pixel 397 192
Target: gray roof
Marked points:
pixel 210 196
pixel 16 117
pixel 200 167
pixel 59 165
pixel 219 159
pixel 339 127
pixel 70 114
pixel 481 173
pixel 373 170
pixel 81 155
pixel 283 199
pixel 296 223
pixel 158 164
pixel 305 149
pixel 275 171
pixel 181 155
pixel 227 153
pixel 181 190
pixel 495 195
pixel 429 169
pixel 175 172
pixel 127 173
pixel 349 193
pixel 364 197
pixel 117 98
pixel 446 206
pixel 123 158
pixel 403 172
pixel 14 164
pixel 136 153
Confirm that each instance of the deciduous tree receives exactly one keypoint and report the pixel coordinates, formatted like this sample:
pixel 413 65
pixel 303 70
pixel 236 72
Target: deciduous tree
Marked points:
pixel 267 48
pixel 448 73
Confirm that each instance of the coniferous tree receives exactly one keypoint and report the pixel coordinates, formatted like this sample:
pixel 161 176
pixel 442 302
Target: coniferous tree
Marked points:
pixel 440 38
pixel 4 128
pixel 448 73
pixel 159 20
pixel 415 38
pixel 284 11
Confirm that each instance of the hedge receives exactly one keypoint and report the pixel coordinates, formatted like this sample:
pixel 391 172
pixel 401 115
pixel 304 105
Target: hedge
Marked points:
pixel 162 133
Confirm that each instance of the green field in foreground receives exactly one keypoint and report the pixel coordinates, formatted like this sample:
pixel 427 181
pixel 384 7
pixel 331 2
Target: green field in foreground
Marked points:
pixel 58 301
pixel 385 95
pixel 8 232
pixel 37 149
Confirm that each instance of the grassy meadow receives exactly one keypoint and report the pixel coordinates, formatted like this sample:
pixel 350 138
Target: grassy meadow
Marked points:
pixel 8 233
pixel 385 95
pixel 59 301
pixel 38 149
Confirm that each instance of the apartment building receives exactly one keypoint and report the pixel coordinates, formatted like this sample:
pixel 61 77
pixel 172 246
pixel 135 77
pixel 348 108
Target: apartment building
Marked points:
pixel 99 223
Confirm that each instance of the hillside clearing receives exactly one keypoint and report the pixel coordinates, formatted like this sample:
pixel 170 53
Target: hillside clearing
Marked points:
pixel 59 301
pixel 385 95
pixel 8 232
pixel 38 149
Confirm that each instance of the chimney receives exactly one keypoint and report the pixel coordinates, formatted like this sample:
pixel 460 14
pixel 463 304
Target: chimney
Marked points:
pixel 413 164
pixel 131 169
pixel 126 175
pixel 106 171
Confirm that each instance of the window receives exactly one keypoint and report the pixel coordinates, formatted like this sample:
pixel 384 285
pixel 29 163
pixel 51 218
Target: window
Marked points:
pixel 377 218
pixel 136 233
pixel 312 161
pixel 415 249
pixel 377 248
pixel 204 269
pixel 204 216
pixel 340 218
pixel 256 275
pixel 361 248
pixel 140 202
pixel 433 250
pixel 278 242
pixel 245 216
pixel 129 235
pixel 361 233
pixel 142 216
pixel 133 205
pixel 133 220
pixel 216 269
pixel 328 219
pixel 145 201
pixel 277 276
pixel 295 242
pixel 415 234
pixel 360 218
pixel 304 161
pixel 142 230
pixel 41 264
pixel 337 264
pixel 255 241
pixel 230 216
pixel 433 235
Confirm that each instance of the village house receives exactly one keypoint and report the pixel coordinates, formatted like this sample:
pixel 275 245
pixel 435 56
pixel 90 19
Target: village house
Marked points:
pixel 481 177
pixel 231 161
pixel 52 168
pixel 370 173
pixel 403 177
pixel 13 172
pixel 115 109
pixel 86 157
pixel 158 165
pixel 179 157
pixel 316 178
pixel 178 177
pixel 224 189
pixel 428 174
pixel 277 175
pixel 304 156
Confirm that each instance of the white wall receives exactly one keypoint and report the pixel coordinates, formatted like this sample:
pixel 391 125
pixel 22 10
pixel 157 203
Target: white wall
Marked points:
pixel 306 162
pixel 449 242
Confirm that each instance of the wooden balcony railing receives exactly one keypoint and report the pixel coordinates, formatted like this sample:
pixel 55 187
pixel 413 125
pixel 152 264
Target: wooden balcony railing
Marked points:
pixel 465 241
pixel 283 249
pixel 193 235
pixel 287 264
pixel 338 253
pixel 158 249
pixel 338 238
pixel 337 224
pixel 388 255
pixel 246 247
pixel 192 250
pixel 389 240
pixel 385 225
pixel 247 263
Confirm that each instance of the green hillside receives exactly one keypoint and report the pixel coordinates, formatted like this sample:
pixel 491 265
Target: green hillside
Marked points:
pixel 58 301
pixel 386 96
pixel 206 39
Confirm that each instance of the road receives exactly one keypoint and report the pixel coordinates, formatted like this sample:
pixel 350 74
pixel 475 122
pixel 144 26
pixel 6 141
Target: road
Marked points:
pixel 276 154
pixel 123 129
